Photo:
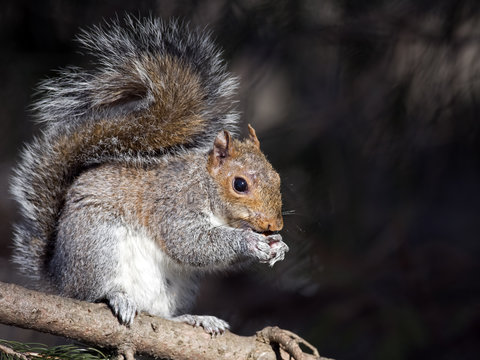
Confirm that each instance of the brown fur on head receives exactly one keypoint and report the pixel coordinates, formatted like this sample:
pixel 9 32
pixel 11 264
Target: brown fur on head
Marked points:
pixel 248 184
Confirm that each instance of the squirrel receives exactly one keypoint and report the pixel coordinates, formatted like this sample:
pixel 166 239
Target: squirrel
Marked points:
pixel 137 185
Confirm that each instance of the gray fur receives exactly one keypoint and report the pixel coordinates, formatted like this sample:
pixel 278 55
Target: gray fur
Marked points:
pixel 114 216
pixel 66 107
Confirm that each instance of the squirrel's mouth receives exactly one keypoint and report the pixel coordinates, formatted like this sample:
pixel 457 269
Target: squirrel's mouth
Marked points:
pixel 265 233
pixel 262 232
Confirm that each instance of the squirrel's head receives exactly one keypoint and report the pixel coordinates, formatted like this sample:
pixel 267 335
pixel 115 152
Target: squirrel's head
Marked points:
pixel 249 187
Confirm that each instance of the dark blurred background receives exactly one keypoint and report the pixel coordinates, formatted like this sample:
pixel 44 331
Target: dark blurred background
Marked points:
pixel 370 111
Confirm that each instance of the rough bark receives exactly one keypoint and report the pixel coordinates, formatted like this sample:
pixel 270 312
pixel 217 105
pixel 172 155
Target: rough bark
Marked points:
pixel 94 324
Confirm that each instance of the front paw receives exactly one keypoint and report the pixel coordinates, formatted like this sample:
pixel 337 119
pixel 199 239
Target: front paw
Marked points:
pixel 277 251
pixel 267 249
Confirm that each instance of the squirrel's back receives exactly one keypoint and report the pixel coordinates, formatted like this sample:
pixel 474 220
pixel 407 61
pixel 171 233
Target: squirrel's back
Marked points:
pixel 156 87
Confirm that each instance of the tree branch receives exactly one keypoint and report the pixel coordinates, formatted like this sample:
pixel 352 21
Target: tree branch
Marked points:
pixel 94 324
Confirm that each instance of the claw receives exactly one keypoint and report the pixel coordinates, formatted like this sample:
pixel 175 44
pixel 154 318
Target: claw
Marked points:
pixel 212 325
pixel 123 307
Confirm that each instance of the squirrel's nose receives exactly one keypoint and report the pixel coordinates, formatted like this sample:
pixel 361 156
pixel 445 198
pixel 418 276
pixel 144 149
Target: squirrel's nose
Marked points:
pixel 276 225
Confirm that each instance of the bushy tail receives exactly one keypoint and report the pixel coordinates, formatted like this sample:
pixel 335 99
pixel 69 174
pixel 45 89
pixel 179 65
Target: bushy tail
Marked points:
pixel 156 87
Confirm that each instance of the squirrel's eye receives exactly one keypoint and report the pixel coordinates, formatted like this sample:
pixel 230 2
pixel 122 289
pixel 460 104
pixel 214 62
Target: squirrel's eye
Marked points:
pixel 240 184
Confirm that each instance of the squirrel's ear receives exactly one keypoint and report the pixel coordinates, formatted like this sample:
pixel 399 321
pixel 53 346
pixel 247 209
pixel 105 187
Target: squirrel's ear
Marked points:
pixel 253 136
pixel 222 146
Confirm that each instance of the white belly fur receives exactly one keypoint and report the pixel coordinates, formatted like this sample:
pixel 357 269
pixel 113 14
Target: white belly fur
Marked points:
pixel 143 272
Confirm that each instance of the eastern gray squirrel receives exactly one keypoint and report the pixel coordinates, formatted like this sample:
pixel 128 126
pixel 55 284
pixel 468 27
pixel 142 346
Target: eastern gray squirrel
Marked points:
pixel 136 186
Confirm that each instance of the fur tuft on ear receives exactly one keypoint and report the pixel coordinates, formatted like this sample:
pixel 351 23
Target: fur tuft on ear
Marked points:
pixel 222 146
pixel 253 136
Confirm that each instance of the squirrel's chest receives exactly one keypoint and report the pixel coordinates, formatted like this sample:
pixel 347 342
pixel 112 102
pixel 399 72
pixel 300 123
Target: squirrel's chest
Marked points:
pixel 156 284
